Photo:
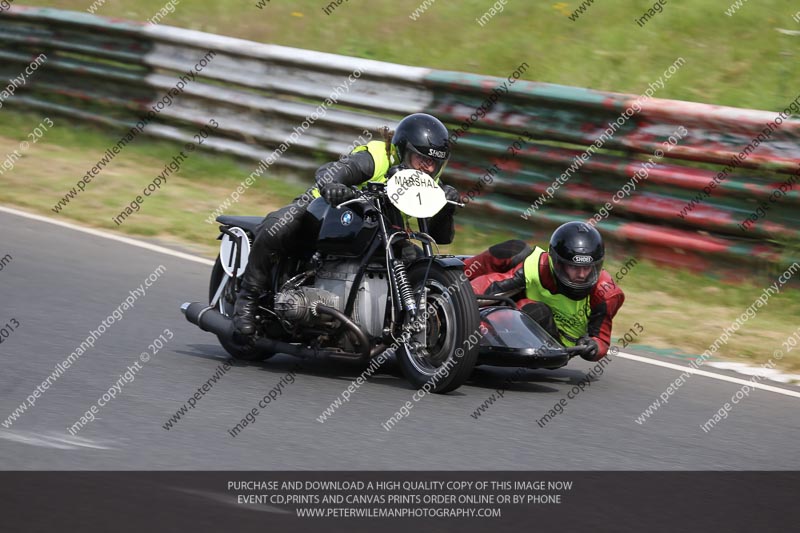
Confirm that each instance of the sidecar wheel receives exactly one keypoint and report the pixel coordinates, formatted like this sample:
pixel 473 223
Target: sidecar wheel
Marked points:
pixel 441 358
pixel 241 351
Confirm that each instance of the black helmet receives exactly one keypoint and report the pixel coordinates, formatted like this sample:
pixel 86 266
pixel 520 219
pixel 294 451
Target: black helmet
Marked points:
pixel 576 244
pixel 424 135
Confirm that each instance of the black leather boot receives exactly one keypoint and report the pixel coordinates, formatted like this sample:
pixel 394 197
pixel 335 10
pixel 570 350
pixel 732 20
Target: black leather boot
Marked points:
pixel 255 282
pixel 276 237
pixel 244 312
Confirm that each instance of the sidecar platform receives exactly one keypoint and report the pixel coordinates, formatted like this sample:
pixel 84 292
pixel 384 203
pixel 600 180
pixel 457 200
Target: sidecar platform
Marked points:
pixel 513 338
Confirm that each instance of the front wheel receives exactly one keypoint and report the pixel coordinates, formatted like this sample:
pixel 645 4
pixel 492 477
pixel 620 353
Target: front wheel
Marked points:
pixel 241 351
pixel 442 341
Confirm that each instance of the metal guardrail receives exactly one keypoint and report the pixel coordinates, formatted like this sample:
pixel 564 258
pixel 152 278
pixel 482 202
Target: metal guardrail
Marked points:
pixel 112 72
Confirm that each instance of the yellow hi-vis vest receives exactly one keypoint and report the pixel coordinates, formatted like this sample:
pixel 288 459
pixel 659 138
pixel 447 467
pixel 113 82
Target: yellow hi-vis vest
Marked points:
pixel 571 317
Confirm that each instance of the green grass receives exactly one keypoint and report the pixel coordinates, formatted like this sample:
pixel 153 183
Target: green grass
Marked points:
pixel 677 310
pixel 740 61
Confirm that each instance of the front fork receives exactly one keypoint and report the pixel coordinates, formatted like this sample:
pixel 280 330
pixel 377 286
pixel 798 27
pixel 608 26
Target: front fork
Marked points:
pixel 402 291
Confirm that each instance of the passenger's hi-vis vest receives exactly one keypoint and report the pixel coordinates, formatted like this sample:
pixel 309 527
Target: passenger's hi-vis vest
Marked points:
pixel 377 149
pixel 572 317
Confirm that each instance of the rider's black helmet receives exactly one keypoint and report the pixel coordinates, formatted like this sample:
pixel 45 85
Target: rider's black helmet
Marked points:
pixel 576 244
pixel 425 135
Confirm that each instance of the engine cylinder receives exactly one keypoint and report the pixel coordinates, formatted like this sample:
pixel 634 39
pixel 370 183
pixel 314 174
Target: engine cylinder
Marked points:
pixel 338 277
pixel 297 305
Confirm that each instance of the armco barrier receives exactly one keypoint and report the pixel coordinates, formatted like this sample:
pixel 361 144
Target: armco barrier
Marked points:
pixel 111 72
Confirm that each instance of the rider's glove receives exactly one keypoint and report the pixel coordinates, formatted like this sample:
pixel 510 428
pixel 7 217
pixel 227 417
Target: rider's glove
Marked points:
pixel 590 348
pixel 451 194
pixel 336 193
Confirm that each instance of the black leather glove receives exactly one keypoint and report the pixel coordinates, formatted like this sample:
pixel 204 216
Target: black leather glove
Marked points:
pixel 451 194
pixel 336 193
pixel 590 348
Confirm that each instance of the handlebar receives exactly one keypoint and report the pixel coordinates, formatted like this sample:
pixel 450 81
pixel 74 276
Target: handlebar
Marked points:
pixel 573 350
pixel 348 202
pixel 492 298
pixel 377 189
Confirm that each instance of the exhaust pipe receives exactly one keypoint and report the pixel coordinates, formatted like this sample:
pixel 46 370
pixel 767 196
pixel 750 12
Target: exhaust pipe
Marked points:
pixel 209 319
pixel 352 326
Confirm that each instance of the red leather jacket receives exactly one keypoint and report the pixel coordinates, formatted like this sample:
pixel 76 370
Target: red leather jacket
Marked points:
pixel 491 275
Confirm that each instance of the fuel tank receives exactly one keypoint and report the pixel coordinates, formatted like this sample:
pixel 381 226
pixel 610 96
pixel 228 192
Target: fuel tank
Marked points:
pixel 345 232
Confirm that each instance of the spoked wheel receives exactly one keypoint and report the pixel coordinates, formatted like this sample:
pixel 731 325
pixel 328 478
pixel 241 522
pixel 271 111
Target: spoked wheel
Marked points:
pixel 244 351
pixel 442 347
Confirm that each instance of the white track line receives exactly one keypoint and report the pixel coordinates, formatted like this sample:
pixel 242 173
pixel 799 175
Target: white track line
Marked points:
pixel 106 235
pixel 57 441
pixel 167 251
pixel 707 374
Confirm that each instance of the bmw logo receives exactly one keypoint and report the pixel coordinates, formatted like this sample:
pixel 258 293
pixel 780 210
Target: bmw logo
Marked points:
pixel 347 218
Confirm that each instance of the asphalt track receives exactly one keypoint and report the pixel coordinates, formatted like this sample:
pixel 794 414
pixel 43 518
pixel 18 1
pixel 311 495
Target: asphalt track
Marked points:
pixel 62 283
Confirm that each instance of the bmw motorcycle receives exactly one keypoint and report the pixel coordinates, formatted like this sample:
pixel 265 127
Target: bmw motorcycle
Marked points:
pixel 356 296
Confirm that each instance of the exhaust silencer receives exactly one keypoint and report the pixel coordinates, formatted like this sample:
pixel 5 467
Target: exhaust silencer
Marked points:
pixel 208 319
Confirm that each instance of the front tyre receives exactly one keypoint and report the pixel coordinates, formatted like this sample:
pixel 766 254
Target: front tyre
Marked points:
pixel 442 353
pixel 241 351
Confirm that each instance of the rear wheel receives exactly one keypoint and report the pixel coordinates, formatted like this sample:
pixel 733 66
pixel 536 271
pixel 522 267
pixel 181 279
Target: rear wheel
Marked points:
pixel 441 355
pixel 244 351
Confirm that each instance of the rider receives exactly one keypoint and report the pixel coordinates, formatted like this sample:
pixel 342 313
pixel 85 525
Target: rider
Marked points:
pixel 420 142
pixel 565 289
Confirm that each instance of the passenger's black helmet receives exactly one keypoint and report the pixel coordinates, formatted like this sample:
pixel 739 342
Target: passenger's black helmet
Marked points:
pixel 425 135
pixel 576 244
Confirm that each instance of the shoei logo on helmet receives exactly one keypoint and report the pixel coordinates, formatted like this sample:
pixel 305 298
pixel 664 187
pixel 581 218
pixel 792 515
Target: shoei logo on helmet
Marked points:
pixel 437 153
pixel 582 259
